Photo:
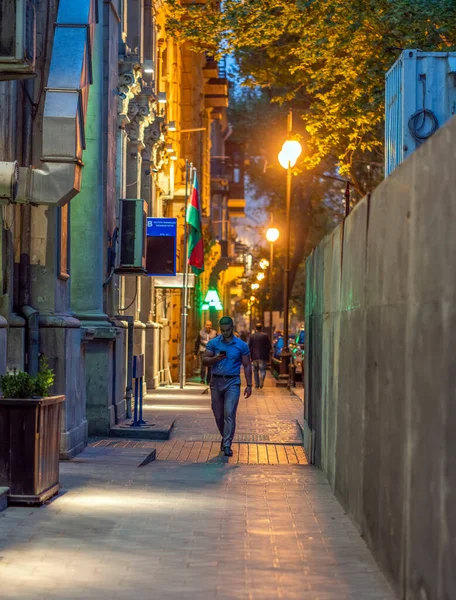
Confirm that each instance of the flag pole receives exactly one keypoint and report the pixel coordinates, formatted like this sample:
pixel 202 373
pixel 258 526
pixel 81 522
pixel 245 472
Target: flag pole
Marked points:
pixel 188 170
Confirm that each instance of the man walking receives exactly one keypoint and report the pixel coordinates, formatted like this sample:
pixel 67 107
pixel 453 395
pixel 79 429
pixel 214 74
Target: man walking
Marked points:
pixel 204 336
pixel 260 347
pixel 225 354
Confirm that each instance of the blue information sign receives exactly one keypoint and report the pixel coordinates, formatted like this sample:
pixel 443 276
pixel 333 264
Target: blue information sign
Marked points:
pixel 161 246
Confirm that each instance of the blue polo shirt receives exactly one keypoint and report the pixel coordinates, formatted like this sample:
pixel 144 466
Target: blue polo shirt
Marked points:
pixel 235 350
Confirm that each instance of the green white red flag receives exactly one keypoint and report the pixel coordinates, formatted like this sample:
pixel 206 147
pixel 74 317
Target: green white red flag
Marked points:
pixel 195 237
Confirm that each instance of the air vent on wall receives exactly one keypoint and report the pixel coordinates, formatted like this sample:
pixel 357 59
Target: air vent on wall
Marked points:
pixel 132 254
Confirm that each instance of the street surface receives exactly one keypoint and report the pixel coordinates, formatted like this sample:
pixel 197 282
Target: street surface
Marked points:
pixel 192 524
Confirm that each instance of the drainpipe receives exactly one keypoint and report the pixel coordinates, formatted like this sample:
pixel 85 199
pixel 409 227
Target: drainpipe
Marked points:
pixel 31 315
pixel 32 318
pixel 130 335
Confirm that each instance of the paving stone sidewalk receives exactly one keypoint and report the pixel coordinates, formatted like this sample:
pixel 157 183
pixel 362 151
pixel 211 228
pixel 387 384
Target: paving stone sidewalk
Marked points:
pixel 176 530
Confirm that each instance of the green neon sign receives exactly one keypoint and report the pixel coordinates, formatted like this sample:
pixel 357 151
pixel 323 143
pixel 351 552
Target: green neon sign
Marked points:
pixel 212 300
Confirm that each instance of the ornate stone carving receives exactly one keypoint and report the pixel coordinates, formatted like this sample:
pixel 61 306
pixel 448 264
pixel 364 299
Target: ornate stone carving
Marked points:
pixel 129 87
pixel 140 114
pixel 159 157
pixel 152 136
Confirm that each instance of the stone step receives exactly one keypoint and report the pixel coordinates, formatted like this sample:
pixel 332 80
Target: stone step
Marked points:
pixel 3 498
pixel 158 427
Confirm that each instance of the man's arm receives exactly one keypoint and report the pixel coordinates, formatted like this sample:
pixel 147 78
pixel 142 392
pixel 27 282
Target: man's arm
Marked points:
pixel 209 358
pixel 197 344
pixel 248 375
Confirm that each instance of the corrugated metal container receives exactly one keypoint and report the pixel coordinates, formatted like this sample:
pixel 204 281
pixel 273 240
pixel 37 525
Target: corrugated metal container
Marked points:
pixel 420 97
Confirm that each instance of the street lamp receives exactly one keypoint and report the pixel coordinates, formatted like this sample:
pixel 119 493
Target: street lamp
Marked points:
pixel 272 235
pixel 291 150
pixel 260 276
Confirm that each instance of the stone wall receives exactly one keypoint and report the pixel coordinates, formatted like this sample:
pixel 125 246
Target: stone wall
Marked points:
pixel 381 369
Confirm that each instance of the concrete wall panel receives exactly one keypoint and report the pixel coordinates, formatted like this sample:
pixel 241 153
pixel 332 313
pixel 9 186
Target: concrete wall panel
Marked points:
pixel 428 388
pixel 309 346
pixel 433 219
pixel 384 442
pixel 324 254
pixel 313 402
pixel 354 258
pixel 350 414
pixel 336 238
pixel 330 394
pixel 448 517
pixel 319 281
pixel 310 285
pixel 381 381
pixel 388 239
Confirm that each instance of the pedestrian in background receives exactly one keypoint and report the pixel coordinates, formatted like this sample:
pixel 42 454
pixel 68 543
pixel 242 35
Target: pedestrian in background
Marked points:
pixel 260 349
pixel 225 354
pixel 204 336
pixel 278 344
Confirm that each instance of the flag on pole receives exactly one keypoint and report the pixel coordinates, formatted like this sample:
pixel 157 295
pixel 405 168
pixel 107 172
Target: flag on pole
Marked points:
pixel 195 237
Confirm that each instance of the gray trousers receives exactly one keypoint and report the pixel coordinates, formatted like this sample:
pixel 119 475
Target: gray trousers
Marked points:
pixel 204 369
pixel 259 372
pixel 225 399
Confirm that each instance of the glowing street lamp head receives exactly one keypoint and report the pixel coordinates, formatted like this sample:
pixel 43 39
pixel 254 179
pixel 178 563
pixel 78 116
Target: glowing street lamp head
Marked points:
pixel 272 234
pixel 255 286
pixel 260 276
pixel 291 151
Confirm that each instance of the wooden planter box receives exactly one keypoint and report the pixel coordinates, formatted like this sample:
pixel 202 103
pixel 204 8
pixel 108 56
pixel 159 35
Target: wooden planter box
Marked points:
pixel 29 448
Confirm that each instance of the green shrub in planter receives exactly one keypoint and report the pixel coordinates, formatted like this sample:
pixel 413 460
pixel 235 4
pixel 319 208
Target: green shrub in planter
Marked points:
pixel 17 384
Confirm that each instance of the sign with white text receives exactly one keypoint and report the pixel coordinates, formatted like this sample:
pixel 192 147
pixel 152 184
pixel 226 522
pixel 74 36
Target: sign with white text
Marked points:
pixel 161 247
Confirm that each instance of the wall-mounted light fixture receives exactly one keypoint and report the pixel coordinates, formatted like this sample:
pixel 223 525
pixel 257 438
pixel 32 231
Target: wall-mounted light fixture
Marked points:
pixel 172 126
pixel 161 98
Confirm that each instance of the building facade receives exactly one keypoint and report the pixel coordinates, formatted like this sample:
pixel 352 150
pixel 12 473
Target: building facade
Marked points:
pixel 102 112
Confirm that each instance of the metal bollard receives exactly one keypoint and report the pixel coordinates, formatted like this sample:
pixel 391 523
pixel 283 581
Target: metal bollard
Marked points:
pixel 138 374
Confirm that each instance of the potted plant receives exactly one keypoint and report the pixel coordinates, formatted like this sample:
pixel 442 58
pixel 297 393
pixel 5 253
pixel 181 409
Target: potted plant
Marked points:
pixel 29 435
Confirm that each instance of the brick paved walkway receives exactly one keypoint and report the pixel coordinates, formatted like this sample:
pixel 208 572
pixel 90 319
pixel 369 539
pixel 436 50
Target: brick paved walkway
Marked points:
pixel 188 527
pixel 198 452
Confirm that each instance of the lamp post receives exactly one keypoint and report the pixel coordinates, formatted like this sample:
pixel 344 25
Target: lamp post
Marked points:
pixel 272 235
pixel 291 150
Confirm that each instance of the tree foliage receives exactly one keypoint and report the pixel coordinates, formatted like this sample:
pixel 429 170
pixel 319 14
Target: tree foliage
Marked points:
pixel 325 57
pixel 317 199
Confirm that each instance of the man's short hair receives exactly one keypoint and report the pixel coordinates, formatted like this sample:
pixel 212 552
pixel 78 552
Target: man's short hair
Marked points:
pixel 226 321
pixel 259 326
